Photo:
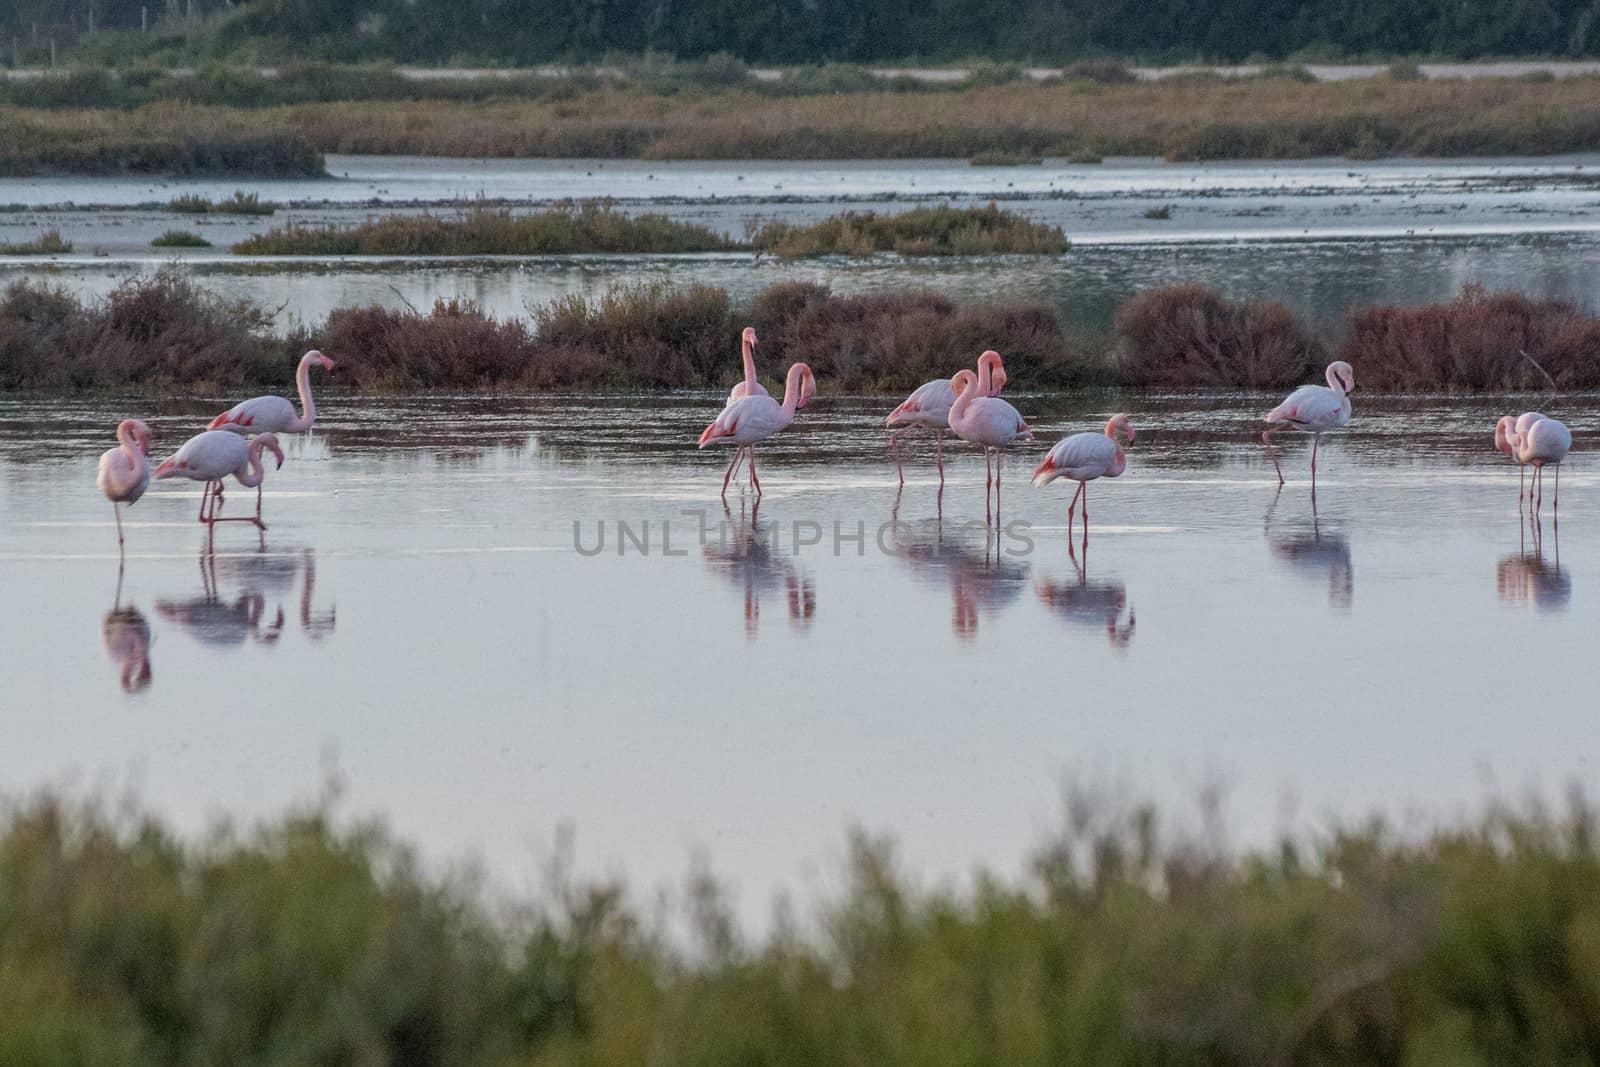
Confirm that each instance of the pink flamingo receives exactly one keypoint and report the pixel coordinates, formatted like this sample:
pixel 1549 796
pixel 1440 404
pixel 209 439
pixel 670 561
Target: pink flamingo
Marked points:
pixel 1545 442
pixel 929 404
pixel 755 418
pixel 1313 409
pixel 1083 457
pixel 987 421
pixel 1504 430
pixel 751 386
pixel 274 414
pixel 124 470
pixel 213 455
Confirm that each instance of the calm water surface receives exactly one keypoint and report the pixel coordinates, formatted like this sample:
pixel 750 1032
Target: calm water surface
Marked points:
pixel 425 613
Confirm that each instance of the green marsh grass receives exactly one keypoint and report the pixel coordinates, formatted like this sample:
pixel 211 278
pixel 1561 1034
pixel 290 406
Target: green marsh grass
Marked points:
pixel 316 938
pixel 48 243
pixel 927 231
pixel 180 239
pixel 585 227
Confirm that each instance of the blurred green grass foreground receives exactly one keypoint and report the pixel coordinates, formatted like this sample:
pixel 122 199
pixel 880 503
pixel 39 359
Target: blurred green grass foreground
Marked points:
pixel 314 939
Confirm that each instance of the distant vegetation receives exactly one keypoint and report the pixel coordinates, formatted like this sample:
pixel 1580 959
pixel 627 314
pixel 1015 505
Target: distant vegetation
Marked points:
pixel 1005 159
pixel 589 226
pixel 520 32
pixel 316 939
pixel 1011 119
pixel 159 141
pixel 48 243
pixel 165 332
pixel 929 231
pixel 240 203
pixel 180 239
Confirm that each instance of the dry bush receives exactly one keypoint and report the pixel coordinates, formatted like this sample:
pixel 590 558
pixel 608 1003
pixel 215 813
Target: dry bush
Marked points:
pixel 159 329
pixel 643 335
pixel 1186 336
pixel 455 346
pixel 900 340
pixel 1479 341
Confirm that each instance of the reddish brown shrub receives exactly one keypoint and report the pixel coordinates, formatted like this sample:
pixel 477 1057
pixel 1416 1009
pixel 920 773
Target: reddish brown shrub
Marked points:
pixel 901 339
pixel 454 345
pixel 1187 336
pixel 1477 341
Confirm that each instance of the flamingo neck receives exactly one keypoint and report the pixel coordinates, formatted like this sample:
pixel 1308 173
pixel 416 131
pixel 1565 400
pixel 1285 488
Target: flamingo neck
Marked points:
pixel 255 469
pixel 986 374
pixel 964 395
pixel 308 406
pixel 1334 383
pixel 130 447
pixel 749 362
pixel 791 389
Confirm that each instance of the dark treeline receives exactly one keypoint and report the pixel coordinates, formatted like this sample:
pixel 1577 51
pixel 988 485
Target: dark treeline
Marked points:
pixel 815 31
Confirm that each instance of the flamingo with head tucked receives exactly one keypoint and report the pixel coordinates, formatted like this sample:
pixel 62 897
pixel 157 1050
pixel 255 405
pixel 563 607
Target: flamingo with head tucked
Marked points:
pixel 1503 432
pixel 274 414
pixel 987 421
pixel 929 405
pixel 1083 457
pixel 1545 442
pixel 125 470
pixel 1314 409
pixel 751 419
pixel 213 455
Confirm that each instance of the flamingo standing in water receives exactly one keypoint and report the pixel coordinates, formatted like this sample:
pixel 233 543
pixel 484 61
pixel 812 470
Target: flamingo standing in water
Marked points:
pixel 1545 442
pixel 275 414
pixel 929 407
pixel 987 421
pixel 1083 457
pixel 755 418
pixel 1503 432
pixel 124 470
pixel 1314 409
pixel 751 386
pixel 213 455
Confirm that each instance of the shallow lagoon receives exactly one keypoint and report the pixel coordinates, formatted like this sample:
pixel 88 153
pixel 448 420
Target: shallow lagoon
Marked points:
pixel 419 615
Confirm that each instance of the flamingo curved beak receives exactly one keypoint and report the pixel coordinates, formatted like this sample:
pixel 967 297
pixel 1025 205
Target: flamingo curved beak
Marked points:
pixel 165 468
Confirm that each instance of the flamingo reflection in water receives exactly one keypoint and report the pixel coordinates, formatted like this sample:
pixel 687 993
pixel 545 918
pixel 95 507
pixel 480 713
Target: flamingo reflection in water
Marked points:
pixel 742 553
pixel 125 633
pixel 272 575
pixel 219 623
pixel 1528 576
pixel 1097 604
pixel 1314 553
pixel 980 583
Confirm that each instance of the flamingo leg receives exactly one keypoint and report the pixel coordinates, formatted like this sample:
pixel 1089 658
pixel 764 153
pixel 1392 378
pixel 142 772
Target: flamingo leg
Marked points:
pixel 894 450
pixel 997 458
pixel 1316 439
pixel 205 498
pixel 1072 508
pixel 1086 522
pixel 1266 439
pixel 1522 485
pixel 753 479
pixel 1557 502
pixel 988 480
pixel 729 474
pixel 939 458
pixel 116 510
